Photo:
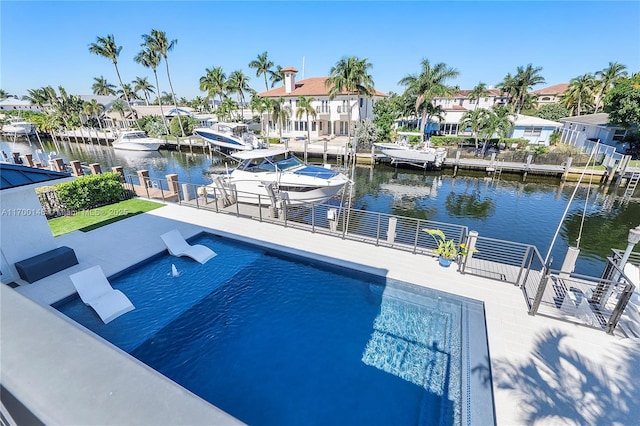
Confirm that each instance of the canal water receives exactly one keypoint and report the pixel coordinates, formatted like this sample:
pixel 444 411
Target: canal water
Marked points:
pixel 505 208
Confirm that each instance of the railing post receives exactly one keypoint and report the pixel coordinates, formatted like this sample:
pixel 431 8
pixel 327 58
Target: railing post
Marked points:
pixel 415 241
pixel 523 264
pixel 620 306
pixel 260 207
pixel 542 286
pixel 378 230
pixel 472 238
pixel 195 189
pixel 391 230
pixel 313 218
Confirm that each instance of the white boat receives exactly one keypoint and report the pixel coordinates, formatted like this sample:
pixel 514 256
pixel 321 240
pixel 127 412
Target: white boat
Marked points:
pixel 425 158
pixel 264 175
pixel 136 140
pixel 229 136
pixel 18 127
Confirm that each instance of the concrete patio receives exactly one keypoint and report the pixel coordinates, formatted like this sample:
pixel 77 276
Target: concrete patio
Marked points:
pixel 543 371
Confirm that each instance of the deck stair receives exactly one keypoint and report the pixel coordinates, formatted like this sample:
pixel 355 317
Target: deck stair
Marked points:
pixel 631 186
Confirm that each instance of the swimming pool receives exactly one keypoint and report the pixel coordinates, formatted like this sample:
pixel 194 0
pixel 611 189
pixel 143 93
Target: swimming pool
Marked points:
pixel 275 339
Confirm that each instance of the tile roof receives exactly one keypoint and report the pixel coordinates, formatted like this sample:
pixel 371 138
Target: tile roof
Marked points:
pixel 556 89
pixel 289 69
pixel 14 175
pixel 313 86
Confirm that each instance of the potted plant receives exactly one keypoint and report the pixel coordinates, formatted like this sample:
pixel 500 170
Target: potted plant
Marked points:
pixel 447 249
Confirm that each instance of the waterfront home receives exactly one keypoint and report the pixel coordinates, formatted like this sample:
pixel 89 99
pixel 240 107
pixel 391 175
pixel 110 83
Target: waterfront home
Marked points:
pixel 333 116
pixel 536 130
pixel 580 129
pixel 15 104
pixel 550 94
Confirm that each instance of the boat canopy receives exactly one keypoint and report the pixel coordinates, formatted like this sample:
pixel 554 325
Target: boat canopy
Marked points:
pixel 258 153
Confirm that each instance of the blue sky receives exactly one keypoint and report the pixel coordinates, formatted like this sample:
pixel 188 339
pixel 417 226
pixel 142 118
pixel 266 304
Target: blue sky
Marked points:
pixel 46 43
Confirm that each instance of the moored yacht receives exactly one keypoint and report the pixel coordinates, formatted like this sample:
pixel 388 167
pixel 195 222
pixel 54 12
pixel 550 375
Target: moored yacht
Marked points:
pixel 262 169
pixel 136 140
pixel 229 136
pixel 19 127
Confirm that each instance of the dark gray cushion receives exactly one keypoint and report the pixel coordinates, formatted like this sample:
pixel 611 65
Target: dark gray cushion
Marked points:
pixel 45 264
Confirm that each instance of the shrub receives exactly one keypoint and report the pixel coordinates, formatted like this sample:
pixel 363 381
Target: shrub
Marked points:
pixel 90 191
pixel 188 124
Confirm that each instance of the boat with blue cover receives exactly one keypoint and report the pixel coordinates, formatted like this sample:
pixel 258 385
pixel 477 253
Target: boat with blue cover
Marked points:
pixel 266 174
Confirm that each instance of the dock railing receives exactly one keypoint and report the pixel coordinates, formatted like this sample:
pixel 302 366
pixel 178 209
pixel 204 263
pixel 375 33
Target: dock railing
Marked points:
pixel 546 292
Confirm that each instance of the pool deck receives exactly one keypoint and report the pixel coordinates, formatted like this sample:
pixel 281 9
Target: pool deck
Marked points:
pixel 543 371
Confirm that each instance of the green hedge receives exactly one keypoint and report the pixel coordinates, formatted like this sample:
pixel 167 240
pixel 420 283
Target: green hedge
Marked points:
pixel 87 192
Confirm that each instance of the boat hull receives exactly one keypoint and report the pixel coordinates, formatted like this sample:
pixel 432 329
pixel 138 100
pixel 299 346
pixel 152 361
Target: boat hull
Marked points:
pixel 136 146
pixel 252 191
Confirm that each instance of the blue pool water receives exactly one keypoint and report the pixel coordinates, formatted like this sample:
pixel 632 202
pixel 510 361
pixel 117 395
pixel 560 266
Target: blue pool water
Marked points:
pixel 276 340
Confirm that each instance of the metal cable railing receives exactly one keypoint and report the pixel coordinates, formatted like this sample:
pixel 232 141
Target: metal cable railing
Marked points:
pixel 548 293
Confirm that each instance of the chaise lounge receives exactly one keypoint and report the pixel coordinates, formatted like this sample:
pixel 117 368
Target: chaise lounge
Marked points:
pixel 95 290
pixel 178 246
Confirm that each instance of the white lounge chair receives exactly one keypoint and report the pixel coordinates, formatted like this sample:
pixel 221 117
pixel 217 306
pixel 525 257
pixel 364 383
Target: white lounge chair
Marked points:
pixel 95 290
pixel 178 246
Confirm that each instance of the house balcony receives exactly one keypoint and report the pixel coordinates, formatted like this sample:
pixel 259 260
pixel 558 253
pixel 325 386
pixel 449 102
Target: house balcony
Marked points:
pixel 322 115
pixel 343 114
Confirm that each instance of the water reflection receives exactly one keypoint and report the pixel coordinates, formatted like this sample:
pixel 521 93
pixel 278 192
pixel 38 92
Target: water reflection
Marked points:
pixel 507 208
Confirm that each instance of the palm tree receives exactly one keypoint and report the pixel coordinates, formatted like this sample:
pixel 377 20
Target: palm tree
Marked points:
pixel 238 83
pixel 276 76
pixel 350 75
pixel 150 59
pixel 509 85
pixel 107 48
pixel 479 91
pixel 263 66
pixel 127 92
pixel 94 109
pixel 305 108
pixel 261 105
pixel 119 107
pixel 607 78
pixel 101 87
pixel 38 97
pixel 280 112
pixel 430 83
pixel 157 42
pixel 580 93
pixel 525 79
pixel 214 82
pixel 3 94
pixel 226 108
pixel 476 120
pixel 141 83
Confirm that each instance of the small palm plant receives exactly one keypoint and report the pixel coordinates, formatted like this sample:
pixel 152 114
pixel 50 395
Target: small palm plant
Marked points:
pixel 447 248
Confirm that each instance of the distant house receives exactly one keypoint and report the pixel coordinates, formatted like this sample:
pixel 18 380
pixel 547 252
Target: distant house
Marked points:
pixel 14 104
pixel 551 94
pixel 25 230
pixel 535 129
pixel 333 116
pixel 454 108
pixel 577 130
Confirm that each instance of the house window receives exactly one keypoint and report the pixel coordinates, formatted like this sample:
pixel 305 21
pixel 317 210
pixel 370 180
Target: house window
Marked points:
pixel 546 98
pixel 532 131
pixel 319 125
pixel 618 135
pixel 313 126
pixel 344 106
pixel 361 102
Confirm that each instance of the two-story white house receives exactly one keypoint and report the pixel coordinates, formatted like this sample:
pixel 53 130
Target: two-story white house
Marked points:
pixel 455 107
pixel 334 117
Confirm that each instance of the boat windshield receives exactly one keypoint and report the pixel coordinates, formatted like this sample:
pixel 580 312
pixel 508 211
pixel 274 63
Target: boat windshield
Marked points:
pixel 135 135
pixel 288 163
pixel 269 164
